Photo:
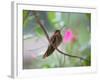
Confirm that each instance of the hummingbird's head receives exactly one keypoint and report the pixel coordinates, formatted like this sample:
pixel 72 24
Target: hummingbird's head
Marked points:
pixel 57 31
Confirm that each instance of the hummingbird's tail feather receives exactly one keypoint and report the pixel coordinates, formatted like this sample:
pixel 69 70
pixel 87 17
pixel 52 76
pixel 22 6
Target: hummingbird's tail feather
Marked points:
pixel 49 51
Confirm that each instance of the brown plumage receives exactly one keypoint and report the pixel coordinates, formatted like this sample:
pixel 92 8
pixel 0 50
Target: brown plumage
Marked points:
pixel 56 39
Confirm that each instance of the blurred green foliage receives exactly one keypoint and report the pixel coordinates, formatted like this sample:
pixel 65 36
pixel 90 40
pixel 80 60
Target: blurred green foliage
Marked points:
pixel 38 31
pixel 79 22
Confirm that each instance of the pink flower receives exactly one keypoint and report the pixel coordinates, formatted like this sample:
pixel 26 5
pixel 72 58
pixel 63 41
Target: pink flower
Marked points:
pixel 68 36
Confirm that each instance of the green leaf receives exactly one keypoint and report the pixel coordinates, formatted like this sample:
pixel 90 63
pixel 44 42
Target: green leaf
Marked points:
pixel 52 16
pixel 87 62
pixel 46 66
pixel 27 20
pixel 88 15
pixel 87 53
pixel 38 31
pixel 25 15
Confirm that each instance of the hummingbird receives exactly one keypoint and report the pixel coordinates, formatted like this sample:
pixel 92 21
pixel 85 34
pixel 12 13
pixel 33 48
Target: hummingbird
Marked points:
pixel 55 41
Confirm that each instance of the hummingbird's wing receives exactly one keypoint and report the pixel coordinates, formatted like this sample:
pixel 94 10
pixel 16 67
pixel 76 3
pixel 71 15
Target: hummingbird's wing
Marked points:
pixel 56 39
pixel 50 49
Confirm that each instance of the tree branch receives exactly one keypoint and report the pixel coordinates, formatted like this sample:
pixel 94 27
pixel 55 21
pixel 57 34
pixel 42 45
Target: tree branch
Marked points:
pixel 42 26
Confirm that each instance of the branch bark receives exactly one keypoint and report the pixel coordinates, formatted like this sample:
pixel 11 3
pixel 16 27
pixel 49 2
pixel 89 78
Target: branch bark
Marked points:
pixel 45 31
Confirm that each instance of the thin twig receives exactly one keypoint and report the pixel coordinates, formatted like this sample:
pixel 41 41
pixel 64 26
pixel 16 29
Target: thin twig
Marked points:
pixel 42 26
